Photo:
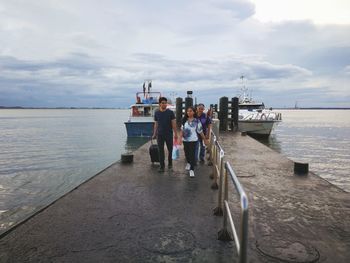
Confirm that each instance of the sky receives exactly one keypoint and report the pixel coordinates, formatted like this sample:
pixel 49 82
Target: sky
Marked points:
pixel 85 53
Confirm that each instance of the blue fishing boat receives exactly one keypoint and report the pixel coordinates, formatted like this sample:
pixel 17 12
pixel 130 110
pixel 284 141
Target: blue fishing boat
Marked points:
pixel 141 119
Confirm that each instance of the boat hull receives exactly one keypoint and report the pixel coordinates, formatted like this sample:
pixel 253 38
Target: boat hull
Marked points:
pixel 257 127
pixel 139 129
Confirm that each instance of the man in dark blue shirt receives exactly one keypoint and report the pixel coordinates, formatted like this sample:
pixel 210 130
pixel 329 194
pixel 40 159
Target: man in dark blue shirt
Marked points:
pixel 164 127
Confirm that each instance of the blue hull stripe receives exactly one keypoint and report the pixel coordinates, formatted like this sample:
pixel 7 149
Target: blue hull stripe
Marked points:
pixel 139 129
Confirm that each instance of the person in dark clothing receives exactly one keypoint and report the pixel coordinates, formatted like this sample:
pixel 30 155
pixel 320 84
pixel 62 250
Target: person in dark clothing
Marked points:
pixel 206 124
pixel 164 129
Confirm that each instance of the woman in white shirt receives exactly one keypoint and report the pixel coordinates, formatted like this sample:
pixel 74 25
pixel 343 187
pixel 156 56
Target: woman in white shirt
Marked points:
pixel 190 129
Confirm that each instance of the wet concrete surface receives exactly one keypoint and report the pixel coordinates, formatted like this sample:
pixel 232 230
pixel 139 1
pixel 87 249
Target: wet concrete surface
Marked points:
pixel 127 213
pixel 291 218
pixel 131 213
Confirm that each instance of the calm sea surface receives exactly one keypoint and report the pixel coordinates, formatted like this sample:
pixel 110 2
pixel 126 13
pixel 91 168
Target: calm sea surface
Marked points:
pixel 318 137
pixel 46 153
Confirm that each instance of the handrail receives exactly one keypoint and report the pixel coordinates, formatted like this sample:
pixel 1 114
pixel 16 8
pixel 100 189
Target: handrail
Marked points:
pixel 216 157
pixel 242 245
pixel 223 169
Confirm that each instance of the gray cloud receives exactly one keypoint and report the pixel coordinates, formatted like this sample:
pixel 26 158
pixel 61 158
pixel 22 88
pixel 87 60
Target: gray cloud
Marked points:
pixel 83 53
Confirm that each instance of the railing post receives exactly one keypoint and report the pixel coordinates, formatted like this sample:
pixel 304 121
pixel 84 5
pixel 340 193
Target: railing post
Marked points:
pixel 212 175
pixel 244 232
pixel 218 211
pixel 224 234
pixel 214 185
pixel 212 137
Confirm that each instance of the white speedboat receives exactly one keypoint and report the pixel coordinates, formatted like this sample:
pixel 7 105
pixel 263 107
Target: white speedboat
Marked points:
pixel 254 118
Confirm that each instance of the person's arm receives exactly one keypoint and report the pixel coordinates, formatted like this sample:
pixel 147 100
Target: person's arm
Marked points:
pixel 205 140
pixel 155 128
pixel 208 131
pixel 173 124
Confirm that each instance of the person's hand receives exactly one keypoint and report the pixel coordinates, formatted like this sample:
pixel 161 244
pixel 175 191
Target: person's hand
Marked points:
pixel 206 141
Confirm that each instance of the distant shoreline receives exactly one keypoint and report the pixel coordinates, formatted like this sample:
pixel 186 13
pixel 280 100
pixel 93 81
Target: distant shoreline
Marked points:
pixel 60 108
pixel 314 108
pixel 121 108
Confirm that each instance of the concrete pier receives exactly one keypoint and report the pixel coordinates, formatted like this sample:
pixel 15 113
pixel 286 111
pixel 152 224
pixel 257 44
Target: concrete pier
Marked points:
pixel 127 213
pixel 131 213
pixel 292 218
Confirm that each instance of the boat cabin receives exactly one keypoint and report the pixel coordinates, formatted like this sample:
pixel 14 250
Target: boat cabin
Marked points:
pixel 143 110
pixel 146 104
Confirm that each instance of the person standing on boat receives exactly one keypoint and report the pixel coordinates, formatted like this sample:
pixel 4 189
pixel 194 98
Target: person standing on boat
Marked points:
pixel 190 129
pixel 205 120
pixel 164 129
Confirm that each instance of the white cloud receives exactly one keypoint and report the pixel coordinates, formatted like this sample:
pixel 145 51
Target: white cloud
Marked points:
pixel 320 12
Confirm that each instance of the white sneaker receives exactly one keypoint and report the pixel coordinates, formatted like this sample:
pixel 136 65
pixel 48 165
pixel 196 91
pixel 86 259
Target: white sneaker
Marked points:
pixel 191 173
pixel 188 167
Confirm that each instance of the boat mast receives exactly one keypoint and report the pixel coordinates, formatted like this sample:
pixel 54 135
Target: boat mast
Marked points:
pixel 244 91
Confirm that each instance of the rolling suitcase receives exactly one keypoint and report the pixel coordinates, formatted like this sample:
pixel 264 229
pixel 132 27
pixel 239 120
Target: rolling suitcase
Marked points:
pixel 154 152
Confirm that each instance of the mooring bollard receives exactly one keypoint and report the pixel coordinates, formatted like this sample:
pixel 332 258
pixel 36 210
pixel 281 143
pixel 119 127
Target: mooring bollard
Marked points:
pixel 179 109
pixel 223 114
pixel 127 158
pixel 301 168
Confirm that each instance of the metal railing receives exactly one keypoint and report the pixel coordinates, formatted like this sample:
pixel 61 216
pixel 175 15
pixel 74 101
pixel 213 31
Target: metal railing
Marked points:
pixel 217 160
pixel 224 170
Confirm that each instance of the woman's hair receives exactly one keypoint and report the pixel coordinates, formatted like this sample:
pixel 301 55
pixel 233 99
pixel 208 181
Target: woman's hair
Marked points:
pixel 186 116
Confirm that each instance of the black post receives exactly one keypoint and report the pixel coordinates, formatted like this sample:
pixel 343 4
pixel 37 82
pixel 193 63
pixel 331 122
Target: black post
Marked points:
pixel 223 114
pixel 235 109
pixel 230 114
pixel 179 108
pixel 188 100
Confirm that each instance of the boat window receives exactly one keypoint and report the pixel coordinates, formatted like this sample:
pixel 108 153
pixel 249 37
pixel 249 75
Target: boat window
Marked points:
pixel 147 111
pixel 136 111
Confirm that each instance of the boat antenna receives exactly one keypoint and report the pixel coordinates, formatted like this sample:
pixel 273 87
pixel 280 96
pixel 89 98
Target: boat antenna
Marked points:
pixel 244 94
pixel 149 86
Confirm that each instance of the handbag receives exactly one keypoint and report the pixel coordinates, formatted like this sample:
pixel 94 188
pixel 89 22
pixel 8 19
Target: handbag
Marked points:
pixel 176 151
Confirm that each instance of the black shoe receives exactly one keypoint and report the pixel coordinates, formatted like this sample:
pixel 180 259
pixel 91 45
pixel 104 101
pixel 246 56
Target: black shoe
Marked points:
pixel 170 167
pixel 161 170
pixel 201 161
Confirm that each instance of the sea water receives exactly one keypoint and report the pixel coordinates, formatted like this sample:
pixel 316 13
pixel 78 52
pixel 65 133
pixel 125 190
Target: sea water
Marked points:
pixel 318 137
pixel 46 153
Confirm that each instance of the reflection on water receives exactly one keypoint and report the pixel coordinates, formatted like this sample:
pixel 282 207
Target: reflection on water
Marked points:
pixel 272 141
pixel 318 137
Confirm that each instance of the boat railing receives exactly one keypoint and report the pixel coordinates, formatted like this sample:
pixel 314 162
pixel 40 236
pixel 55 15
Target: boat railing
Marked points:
pixel 266 116
pixel 223 171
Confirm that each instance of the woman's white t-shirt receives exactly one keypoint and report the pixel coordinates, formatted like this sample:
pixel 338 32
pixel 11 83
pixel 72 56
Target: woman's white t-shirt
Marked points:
pixel 190 130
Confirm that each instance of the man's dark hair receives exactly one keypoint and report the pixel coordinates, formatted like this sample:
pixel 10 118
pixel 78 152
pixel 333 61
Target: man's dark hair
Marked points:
pixel 162 99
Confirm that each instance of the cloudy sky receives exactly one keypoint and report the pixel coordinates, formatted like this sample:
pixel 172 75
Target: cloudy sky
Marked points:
pixel 89 53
